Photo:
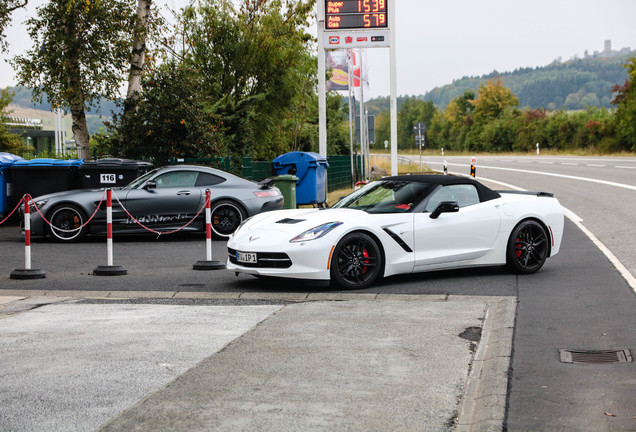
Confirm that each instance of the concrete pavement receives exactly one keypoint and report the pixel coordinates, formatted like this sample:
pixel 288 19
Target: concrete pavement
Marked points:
pixel 261 361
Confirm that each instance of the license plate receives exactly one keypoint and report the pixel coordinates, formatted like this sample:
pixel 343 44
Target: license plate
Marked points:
pixel 246 257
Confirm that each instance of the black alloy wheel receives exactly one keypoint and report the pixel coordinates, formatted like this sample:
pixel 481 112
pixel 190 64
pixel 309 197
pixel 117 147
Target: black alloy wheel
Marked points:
pixel 67 221
pixel 226 217
pixel 528 247
pixel 357 261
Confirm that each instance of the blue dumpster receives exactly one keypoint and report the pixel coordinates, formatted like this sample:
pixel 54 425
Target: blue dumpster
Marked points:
pixel 311 170
pixel 6 160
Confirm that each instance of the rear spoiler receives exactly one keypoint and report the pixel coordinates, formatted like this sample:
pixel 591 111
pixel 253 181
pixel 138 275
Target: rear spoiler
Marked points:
pixel 539 194
pixel 266 183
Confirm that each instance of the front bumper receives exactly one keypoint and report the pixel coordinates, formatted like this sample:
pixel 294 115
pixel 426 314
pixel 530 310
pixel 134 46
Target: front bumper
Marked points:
pixel 308 260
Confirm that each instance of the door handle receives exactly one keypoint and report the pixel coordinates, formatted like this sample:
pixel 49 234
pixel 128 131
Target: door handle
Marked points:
pixel 183 193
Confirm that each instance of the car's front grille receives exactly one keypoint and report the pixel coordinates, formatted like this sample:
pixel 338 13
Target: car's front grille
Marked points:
pixel 264 260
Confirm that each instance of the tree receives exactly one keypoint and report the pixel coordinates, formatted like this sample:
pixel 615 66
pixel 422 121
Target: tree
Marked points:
pixel 171 119
pixel 8 141
pixel 257 65
pixel 6 8
pixel 625 101
pixel 81 49
pixel 413 111
pixel 493 99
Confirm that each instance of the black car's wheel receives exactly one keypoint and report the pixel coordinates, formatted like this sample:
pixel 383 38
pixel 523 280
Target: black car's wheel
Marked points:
pixel 66 223
pixel 226 217
pixel 357 261
pixel 528 247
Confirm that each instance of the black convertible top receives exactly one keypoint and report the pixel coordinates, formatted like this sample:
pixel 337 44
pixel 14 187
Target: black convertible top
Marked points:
pixel 485 193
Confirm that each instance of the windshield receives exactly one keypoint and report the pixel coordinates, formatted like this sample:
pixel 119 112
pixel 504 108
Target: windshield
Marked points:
pixel 388 196
pixel 136 183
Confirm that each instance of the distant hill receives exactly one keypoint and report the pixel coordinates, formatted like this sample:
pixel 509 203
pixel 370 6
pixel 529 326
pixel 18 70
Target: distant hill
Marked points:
pixel 23 106
pixel 569 85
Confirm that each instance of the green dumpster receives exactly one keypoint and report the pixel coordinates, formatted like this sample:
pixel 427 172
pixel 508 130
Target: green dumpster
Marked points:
pixel 287 185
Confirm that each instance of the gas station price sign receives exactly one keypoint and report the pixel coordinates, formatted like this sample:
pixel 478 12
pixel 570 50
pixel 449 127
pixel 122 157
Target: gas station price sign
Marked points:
pixel 356 14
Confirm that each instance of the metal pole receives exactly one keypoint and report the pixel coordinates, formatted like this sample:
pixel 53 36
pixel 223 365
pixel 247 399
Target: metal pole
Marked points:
pixel 393 80
pixel 351 113
pixel 419 139
pixel 322 93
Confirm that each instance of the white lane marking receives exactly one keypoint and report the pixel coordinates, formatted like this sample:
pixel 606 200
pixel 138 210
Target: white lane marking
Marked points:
pixel 569 163
pixel 596 165
pixel 605 182
pixel 546 163
pixel 631 280
pixel 624 167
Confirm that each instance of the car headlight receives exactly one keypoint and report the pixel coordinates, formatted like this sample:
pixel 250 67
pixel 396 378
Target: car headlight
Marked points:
pixel 316 232
pixel 35 205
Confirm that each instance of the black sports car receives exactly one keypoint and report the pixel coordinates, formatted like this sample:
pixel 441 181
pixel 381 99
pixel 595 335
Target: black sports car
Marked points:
pixel 163 200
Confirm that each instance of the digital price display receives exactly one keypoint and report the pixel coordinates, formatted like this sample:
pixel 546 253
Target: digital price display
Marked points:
pixel 355 14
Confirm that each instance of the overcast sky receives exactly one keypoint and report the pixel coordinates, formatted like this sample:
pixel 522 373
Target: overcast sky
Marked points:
pixel 439 41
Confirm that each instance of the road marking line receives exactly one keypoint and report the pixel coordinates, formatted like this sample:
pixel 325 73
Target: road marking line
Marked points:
pixel 596 165
pixel 569 163
pixel 624 167
pixel 631 280
pixel 605 182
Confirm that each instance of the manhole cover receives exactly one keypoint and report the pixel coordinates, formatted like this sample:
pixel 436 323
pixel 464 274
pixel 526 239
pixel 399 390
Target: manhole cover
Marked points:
pixel 583 356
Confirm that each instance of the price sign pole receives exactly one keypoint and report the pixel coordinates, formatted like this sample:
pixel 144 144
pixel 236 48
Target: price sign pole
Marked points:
pixel 344 24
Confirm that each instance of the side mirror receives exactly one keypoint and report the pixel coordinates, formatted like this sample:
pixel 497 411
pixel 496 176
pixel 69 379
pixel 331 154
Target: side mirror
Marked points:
pixel 150 184
pixel 445 207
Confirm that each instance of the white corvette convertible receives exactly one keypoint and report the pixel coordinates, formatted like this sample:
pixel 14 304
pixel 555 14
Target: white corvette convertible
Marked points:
pixel 399 225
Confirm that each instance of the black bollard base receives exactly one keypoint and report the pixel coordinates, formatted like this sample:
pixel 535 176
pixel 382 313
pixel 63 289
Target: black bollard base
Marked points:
pixel 27 274
pixel 109 271
pixel 208 265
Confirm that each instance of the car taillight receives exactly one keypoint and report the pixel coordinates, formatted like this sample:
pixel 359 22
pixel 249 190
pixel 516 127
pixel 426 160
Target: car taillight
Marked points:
pixel 267 193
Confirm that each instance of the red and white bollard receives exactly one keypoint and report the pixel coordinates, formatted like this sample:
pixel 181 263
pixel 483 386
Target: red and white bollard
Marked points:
pixel 27 272
pixel 109 269
pixel 208 264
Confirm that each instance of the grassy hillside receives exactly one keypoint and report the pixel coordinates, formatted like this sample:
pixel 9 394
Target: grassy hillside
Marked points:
pixel 570 85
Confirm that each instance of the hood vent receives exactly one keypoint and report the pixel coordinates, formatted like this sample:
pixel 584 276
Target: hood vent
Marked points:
pixel 290 221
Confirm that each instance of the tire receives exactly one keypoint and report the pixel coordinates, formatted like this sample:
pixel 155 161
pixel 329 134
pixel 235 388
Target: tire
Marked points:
pixel 528 247
pixel 67 217
pixel 226 216
pixel 357 261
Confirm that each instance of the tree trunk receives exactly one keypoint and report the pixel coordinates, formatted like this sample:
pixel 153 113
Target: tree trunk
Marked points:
pixel 138 55
pixel 75 98
pixel 80 132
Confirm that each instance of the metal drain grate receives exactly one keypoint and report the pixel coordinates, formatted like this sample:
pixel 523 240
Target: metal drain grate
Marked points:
pixel 582 356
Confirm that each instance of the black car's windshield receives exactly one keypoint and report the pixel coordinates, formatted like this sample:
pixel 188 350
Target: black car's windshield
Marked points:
pixel 388 196
pixel 136 183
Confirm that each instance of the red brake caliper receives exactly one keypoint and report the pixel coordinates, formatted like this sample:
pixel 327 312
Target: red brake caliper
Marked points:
pixel 366 255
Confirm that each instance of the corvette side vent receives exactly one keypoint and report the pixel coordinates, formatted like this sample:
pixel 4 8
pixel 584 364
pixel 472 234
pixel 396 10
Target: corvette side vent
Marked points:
pixel 290 221
pixel 398 240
